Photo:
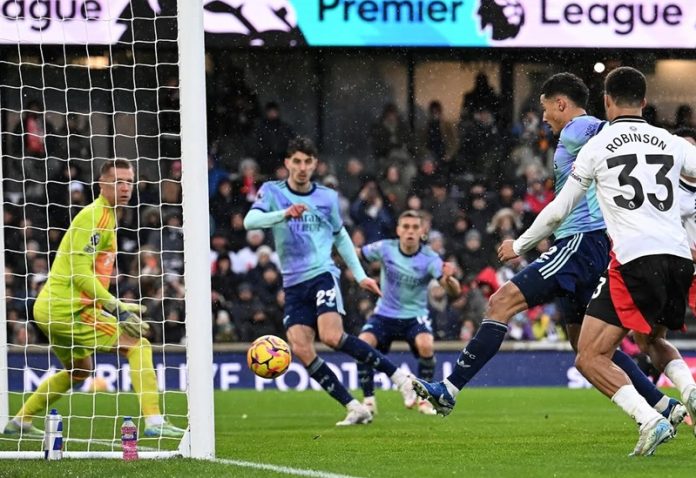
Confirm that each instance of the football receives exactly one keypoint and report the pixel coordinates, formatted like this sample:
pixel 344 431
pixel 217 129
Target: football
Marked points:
pixel 269 356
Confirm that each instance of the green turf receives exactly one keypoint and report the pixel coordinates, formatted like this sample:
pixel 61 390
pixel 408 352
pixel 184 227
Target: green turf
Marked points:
pixel 492 433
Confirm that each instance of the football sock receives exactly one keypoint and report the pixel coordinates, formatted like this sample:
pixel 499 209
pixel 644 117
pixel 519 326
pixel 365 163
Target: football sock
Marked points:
pixel 628 398
pixel 678 372
pixel 366 376
pixel 328 380
pixel 49 390
pixel 365 353
pixel 662 405
pixel 478 352
pixel 426 368
pixel 143 378
pixel 640 381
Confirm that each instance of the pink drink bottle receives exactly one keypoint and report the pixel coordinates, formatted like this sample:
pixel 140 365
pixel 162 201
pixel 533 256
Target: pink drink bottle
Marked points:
pixel 129 439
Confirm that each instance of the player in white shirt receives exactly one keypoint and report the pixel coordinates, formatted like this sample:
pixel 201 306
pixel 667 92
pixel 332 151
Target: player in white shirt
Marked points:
pixel 636 170
pixel 687 204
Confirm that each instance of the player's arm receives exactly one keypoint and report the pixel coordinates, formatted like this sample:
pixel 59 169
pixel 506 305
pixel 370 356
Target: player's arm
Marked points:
pixel 346 248
pixel 82 252
pixel 257 219
pixel 264 213
pixel 448 281
pixel 549 218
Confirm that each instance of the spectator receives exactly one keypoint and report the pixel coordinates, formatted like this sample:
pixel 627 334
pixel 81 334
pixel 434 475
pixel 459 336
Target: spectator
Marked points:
pixel 352 182
pixel 472 258
pixel 445 322
pixel 246 185
pixel 425 177
pixel 331 181
pixel 215 175
pixel 244 310
pixel 271 137
pixel 480 147
pixel 537 196
pixel 439 136
pixel 393 188
pixel 443 209
pixel 246 259
pixel 389 136
pixel 482 96
pixel 684 117
pixel 223 204
pixel 371 214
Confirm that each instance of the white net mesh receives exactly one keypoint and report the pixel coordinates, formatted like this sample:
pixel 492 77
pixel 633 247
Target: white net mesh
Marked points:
pixel 80 83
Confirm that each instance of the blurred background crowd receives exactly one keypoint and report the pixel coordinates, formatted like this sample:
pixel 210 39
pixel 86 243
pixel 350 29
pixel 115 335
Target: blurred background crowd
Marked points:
pixel 478 180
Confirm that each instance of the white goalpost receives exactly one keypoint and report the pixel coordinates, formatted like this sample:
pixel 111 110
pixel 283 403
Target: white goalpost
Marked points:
pixel 80 83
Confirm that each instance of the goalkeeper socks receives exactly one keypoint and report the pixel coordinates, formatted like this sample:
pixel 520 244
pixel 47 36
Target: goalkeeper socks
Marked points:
pixel 478 352
pixel 426 368
pixel 365 353
pixel 366 376
pixel 328 380
pixel 49 390
pixel 640 381
pixel 142 373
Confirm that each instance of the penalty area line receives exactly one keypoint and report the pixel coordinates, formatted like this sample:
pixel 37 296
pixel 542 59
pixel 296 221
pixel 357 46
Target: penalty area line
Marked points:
pixel 280 469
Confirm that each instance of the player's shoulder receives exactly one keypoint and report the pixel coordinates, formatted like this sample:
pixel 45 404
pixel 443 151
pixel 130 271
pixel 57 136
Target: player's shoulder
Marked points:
pixel 324 190
pixel 580 129
pixel 428 252
pixel 274 185
pixel 93 214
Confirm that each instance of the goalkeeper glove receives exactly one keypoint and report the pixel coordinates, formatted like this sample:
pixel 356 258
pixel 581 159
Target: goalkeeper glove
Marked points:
pixel 129 317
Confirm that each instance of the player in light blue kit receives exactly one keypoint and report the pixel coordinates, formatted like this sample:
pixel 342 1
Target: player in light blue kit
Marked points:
pixel 402 311
pixel 570 270
pixel 306 224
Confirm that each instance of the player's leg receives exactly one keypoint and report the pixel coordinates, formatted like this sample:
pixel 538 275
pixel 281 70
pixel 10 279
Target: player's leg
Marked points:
pixel 423 345
pixel 502 306
pixel 331 333
pixel 301 340
pixel 300 324
pixel 329 308
pixel 138 352
pixel 366 374
pixel 573 311
pixel 597 343
pixel 66 336
pixel 49 391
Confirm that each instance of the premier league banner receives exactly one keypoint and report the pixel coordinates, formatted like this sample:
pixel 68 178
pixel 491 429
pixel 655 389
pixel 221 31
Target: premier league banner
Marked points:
pixel 363 23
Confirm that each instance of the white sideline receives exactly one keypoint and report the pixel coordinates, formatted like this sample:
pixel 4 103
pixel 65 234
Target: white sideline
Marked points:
pixel 280 469
pixel 240 463
pixel 223 461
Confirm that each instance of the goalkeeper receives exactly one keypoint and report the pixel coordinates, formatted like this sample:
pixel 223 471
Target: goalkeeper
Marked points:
pixel 79 316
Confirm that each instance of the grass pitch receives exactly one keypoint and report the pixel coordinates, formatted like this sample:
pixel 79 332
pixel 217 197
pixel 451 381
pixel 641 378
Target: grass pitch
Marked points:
pixel 495 432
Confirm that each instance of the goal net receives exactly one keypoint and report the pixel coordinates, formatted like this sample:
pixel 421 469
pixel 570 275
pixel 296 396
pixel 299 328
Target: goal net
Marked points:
pixel 83 82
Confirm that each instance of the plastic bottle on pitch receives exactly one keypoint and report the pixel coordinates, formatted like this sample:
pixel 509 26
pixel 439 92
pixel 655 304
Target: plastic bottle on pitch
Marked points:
pixel 53 436
pixel 129 439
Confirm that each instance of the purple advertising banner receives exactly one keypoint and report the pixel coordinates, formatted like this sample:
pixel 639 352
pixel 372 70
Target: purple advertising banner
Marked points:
pixel 507 369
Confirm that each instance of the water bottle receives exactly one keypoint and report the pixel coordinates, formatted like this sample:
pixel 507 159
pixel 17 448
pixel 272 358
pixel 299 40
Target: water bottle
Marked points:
pixel 53 436
pixel 129 439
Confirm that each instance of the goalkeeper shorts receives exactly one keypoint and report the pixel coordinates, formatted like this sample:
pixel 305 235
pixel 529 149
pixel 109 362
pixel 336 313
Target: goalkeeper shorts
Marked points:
pixel 80 335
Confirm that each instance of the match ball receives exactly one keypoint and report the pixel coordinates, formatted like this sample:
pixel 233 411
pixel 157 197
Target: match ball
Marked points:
pixel 269 356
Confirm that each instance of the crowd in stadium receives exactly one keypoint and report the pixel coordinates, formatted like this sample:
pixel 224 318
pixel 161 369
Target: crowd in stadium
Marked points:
pixel 477 182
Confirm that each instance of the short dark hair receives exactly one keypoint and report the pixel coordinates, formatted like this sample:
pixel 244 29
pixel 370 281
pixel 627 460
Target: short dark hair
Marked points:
pixel 301 144
pixel 626 86
pixel 411 213
pixel 569 85
pixel 110 164
pixel 685 132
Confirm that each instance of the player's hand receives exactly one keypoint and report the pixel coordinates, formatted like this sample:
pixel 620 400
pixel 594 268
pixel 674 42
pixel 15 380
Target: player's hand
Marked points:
pixel 133 325
pixel 129 317
pixel 448 269
pixel 505 251
pixel 371 285
pixel 295 211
